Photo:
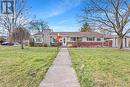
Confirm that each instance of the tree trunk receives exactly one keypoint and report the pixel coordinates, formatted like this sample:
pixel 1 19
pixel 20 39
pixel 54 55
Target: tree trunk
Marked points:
pixel 43 39
pixel 22 47
pixel 120 42
pixel 10 37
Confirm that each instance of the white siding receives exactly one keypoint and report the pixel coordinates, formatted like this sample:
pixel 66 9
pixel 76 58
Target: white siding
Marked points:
pixel 124 42
pixel 113 42
pixel 127 42
pixel 116 42
pixel 84 39
pixel 68 39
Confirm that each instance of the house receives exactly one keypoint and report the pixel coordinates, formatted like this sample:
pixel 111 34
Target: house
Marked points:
pixel 43 37
pixel 129 41
pixel 78 39
pixel 3 38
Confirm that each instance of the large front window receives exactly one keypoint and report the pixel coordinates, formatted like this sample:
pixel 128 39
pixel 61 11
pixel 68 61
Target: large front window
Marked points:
pixel 90 38
pixel 98 39
pixel 76 38
pixel 73 38
pixel 38 40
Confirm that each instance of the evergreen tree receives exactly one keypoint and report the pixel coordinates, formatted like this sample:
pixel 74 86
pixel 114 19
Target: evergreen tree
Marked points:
pixel 85 28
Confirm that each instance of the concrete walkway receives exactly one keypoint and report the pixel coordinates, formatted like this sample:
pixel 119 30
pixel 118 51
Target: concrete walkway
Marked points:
pixel 127 48
pixel 61 74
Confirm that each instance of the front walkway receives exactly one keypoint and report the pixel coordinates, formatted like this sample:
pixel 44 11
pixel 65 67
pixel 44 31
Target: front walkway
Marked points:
pixel 61 74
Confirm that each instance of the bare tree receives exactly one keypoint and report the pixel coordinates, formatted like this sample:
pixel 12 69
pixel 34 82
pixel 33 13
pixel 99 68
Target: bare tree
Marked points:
pixel 113 15
pixel 19 35
pixel 39 26
pixel 15 20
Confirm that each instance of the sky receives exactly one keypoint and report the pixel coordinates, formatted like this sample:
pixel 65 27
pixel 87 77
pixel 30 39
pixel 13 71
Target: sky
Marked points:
pixel 61 15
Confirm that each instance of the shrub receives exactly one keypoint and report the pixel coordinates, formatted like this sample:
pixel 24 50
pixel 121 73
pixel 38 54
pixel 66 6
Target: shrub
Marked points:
pixel 38 45
pixel 45 45
pixel 31 44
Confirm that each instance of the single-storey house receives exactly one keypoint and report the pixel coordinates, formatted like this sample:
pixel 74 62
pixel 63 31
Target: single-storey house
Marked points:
pixel 78 39
pixel 3 38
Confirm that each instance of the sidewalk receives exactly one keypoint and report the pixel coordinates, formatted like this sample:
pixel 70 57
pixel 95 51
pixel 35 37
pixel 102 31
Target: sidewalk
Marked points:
pixel 127 48
pixel 61 74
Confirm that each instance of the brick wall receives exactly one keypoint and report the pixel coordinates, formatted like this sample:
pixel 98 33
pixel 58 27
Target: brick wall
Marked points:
pixel 91 44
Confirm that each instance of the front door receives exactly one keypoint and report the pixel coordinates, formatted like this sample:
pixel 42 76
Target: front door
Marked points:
pixel 64 43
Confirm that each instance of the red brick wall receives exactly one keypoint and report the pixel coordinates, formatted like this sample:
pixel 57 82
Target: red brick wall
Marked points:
pixel 91 44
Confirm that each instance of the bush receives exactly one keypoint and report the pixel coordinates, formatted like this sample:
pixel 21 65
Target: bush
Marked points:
pixel 38 45
pixel 31 44
pixel 45 45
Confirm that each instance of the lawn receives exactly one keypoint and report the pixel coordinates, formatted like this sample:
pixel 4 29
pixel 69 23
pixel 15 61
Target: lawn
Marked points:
pixel 101 67
pixel 24 68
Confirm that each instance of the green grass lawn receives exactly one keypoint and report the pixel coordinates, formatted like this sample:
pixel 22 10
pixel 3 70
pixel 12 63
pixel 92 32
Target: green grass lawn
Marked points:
pixel 101 67
pixel 24 68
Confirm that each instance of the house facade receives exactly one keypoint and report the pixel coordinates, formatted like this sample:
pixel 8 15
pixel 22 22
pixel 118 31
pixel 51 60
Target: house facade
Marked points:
pixel 79 39
pixel 43 37
pixel 3 38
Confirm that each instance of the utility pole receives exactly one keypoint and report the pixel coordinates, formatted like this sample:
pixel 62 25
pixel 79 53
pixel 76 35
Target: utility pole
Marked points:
pixel 8 8
pixel 14 15
pixel 13 26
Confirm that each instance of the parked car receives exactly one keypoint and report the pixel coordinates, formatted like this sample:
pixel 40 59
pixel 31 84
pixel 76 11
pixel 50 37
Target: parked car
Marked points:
pixel 8 43
pixel 16 44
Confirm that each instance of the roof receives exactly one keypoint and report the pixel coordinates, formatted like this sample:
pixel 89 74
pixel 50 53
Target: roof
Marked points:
pixel 78 34
pixel 109 36
pixel 39 33
pixel 113 36
pixel 3 36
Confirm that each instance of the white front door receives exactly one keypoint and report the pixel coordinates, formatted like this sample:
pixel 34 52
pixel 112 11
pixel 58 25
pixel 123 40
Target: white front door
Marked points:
pixel 64 42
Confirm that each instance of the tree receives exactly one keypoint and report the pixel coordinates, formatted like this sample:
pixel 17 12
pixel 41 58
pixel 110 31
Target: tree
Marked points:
pixel 85 28
pixel 39 26
pixel 17 19
pixel 113 15
pixel 19 35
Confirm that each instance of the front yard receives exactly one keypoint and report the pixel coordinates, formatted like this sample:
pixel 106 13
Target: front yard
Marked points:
pixel 24 68
pixel 101 67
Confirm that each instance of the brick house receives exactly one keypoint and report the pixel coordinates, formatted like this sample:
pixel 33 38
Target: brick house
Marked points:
pixel 79 39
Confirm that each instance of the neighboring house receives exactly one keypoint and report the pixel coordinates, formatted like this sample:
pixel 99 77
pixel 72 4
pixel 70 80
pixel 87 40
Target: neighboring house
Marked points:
pixel 43 37
pixel 129 41
pixel 3 38
pixel 114 39
pixel 79 39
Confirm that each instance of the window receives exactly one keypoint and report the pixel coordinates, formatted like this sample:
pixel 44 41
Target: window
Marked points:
pixel 38 39
pixel 105 39
pixel 90 38
pixel 98 39
pixel 73 38
pixel 76 39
